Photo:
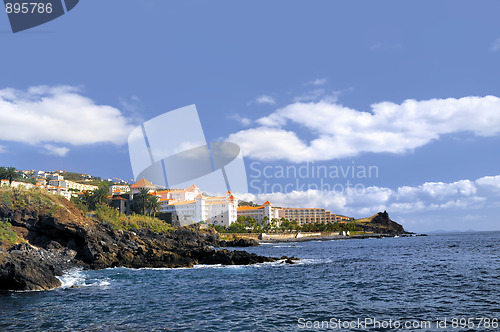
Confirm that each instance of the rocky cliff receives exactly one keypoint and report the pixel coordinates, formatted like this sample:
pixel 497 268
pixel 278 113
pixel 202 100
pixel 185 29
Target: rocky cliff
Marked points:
pixel 380 223
pixel 58 237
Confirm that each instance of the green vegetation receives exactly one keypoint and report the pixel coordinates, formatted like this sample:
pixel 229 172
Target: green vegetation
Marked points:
pixel 250 225
pixel 7 235
pixel 117 220
pixel 97 202
pixel 9 173
pixel 33 199
pixel 86 179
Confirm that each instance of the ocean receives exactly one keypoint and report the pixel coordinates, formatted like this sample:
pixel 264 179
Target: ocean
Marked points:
pixel 448 282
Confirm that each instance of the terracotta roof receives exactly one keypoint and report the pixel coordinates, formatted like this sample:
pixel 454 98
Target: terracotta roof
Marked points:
pixel 199 196
pixel 267 203
pixel 231 197
pixel 143 183
pixel 163 191
pixel 250 207
pixel 229 192
pixel 192 187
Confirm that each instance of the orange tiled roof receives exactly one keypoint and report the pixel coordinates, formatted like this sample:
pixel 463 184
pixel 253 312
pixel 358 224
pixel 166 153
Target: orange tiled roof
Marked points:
pixel 241 208
pixel 142 183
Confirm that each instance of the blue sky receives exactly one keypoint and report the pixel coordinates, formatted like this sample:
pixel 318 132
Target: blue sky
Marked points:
pixel 402 86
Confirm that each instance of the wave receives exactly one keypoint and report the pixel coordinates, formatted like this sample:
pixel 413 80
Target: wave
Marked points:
pixel 78 278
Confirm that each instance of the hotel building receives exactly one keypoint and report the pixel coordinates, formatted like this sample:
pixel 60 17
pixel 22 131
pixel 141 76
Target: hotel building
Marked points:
pixel 260 212
pixel 188 206
pixel 312 215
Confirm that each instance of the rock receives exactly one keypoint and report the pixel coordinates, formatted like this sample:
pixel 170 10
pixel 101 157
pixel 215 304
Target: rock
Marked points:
pixel 241 242
pixel 24 270
pixel 67 239
pixel 381 223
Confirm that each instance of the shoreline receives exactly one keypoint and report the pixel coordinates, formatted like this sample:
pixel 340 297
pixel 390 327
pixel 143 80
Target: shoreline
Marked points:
pixel 306 238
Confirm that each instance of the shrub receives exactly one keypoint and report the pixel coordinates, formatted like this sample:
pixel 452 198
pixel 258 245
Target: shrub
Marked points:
pixel 117 220
pixel 7 235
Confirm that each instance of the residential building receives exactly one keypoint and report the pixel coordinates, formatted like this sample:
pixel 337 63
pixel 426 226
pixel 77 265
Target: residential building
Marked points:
pixel 72 186
pixel 16 184
pixel 260 213
pixel 117 189
pixel 55 176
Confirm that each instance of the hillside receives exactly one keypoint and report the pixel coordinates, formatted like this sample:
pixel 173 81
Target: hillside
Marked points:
pixel 380 223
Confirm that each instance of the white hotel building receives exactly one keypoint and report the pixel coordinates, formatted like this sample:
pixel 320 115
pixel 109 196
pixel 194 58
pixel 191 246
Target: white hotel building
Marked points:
pixel 259 213
pixel 191 206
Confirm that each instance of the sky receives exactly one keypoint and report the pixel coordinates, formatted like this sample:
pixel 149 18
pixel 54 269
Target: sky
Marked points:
pixel 353 106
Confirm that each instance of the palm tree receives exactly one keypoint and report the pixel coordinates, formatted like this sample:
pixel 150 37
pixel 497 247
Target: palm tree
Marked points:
pixel 153 204
pixel 3 170
pixel 142 199
pixel 98 197
pixel 9 173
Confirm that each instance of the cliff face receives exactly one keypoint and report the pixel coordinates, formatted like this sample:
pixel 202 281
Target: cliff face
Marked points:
pixel 61 237
pixel 382 224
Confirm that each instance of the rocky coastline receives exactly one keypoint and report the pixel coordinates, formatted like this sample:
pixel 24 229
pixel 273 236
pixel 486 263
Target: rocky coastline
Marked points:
pixel 63 239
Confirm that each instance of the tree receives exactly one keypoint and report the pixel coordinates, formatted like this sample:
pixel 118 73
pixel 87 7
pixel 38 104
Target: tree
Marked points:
pixel 9 173
pixel 153 204
pixel 141 200
pixel 99 197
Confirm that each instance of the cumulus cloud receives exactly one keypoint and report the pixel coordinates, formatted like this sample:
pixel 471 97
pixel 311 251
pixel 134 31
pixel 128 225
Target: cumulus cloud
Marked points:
pixel 60 115
pixel 265 99
pixel 430 196
pixel 340 131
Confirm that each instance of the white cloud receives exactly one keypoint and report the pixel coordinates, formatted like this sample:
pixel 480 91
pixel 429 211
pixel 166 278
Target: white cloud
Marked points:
pixel 495 46
pixel 265 99
pixel 59 114
pixel 241 119
pixel 429 196
pixel 56 150
pixel 318 81
pixel 491 182
pixel 2 149
pixel 340 132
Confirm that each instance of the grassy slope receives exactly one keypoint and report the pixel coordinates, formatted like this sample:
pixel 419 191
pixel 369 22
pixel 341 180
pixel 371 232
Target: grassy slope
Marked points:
pixel 29 200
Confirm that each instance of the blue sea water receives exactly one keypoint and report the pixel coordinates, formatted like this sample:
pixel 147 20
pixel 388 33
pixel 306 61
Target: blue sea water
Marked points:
pixel 337 284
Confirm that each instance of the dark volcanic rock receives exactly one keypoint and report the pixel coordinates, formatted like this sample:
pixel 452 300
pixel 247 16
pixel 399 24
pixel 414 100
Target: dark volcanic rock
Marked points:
pixel 239 243
pixel 381 223
pixel 66 239
pixel 210 256
pixel 22 269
